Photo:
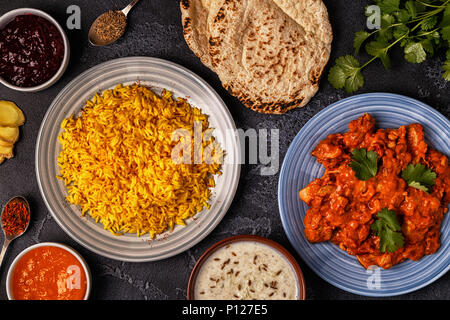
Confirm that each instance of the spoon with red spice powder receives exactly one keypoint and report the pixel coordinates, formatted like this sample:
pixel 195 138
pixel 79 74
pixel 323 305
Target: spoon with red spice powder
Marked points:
pixel 14 221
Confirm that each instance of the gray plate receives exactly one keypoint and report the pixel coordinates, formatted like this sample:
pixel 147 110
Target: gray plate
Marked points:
pixel 158 74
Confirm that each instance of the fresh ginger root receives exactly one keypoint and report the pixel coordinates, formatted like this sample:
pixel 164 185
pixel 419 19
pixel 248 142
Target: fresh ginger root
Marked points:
pixel 11 117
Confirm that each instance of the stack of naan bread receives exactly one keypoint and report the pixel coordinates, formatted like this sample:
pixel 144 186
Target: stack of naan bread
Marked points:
pixel 268 53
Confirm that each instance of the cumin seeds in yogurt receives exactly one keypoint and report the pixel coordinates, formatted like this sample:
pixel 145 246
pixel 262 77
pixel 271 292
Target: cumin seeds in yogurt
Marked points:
pixel 246 270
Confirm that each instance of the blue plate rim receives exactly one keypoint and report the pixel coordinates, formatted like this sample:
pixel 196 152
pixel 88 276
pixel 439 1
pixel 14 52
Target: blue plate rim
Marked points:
pixel 296 139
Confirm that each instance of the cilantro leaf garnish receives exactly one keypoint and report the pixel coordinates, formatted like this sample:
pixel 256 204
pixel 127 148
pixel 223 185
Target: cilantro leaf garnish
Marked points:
pixel 387 227
pixel 364 164
pixel 419 177
pixel 390 240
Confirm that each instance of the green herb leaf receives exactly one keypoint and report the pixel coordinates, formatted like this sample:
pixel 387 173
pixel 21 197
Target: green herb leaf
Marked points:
pixel 429 23
pixel 375 48
pixel 419 176
pixel 415 53
pixel 405 42
pixel 386 32
pixel 445 33
pixel 417 185
pixel 364 164
pixel 434 37
pixel 337 77
pixel 446 67
pixel 445 17
pixel 427 45
pixel 389 218
pixel 420 6
pixel 346 73
pixel 388 229
pixel 379 49
pixel 420 27
pixel 389 6
pixel 360 37
pixel 400 31
pixel 390 241
pixel 354 82
pixel 411 7
pixel 402 16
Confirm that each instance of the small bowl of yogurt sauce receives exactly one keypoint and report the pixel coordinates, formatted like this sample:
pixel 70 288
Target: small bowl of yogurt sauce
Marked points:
pixel 246 267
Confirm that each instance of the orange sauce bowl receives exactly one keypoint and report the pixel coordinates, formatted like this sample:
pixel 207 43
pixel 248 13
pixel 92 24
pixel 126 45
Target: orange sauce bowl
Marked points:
pixel 48 271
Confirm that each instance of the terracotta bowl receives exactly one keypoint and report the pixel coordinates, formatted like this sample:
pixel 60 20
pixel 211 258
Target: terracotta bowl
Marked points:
pixel 274 245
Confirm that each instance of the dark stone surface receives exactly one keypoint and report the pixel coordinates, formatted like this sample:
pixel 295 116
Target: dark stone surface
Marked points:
pixel 155 30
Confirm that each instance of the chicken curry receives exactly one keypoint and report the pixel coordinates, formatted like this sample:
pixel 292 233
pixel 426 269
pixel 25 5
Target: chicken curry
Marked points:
pixel 383 195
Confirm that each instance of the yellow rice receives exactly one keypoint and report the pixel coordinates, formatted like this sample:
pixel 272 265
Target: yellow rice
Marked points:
pixel 116 161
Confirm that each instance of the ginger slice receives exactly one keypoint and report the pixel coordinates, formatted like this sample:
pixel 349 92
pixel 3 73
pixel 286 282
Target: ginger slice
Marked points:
pixel 6 152
pixel 10 114
pixel 5 143
pixel 11 117
pixel 9 134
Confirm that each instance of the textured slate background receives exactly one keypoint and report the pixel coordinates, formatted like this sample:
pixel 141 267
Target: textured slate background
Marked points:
pixel 155 30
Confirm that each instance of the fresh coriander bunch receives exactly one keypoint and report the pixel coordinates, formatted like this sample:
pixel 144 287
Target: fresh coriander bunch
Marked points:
pixel 420 27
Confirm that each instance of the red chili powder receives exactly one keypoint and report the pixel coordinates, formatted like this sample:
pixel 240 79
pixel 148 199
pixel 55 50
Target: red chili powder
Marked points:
pixel 15 217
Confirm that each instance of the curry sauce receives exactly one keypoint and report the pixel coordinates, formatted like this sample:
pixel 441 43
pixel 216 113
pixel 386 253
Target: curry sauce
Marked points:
pixel 342 207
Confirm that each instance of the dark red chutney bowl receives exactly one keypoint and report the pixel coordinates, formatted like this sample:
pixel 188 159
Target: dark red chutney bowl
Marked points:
pixel 253 238
pixel 41 78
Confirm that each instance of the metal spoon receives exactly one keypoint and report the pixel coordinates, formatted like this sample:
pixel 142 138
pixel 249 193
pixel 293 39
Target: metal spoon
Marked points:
pixel 93 36
pixel 9 238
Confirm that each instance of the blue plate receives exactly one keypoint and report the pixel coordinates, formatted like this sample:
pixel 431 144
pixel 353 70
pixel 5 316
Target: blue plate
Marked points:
pixel 300 168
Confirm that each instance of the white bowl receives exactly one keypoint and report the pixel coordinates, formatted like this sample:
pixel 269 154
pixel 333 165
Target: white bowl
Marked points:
pixel 83 263
pixel 8 17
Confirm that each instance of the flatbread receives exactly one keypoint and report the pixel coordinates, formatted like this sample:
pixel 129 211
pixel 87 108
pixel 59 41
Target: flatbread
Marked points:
pixel 268 53
pixel 194 16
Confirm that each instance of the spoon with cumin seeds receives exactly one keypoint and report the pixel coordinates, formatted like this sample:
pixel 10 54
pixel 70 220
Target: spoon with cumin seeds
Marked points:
pixel 109 26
